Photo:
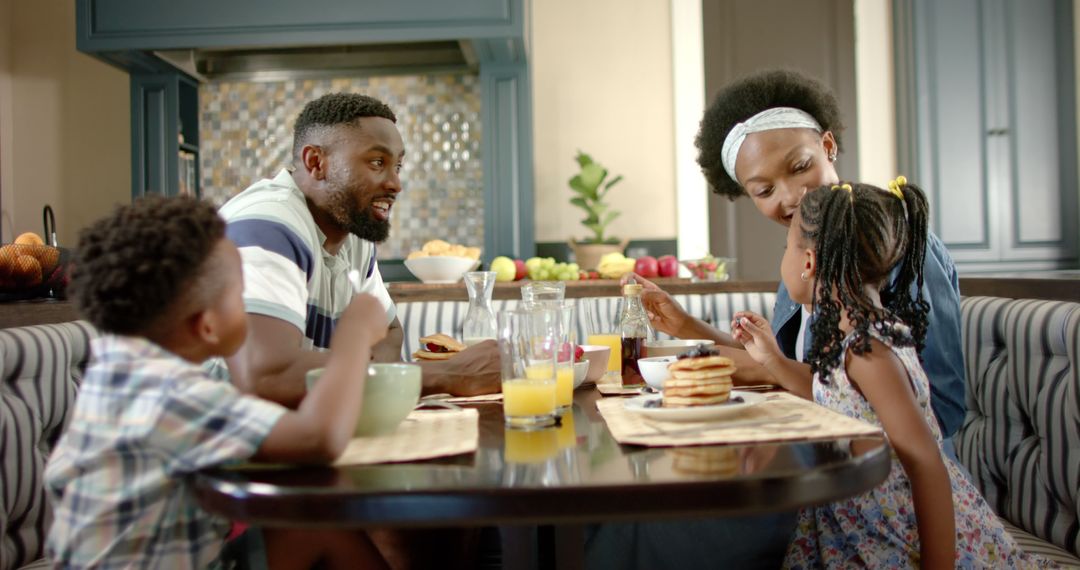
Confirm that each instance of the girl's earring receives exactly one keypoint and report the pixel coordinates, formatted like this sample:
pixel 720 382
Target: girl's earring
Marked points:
pixel 832 156
pixel 803 276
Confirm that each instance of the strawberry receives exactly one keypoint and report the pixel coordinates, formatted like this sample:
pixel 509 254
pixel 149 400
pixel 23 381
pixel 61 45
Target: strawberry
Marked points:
pixel 579 353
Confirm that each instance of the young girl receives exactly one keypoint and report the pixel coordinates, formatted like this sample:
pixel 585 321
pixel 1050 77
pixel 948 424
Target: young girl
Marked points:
pixel 842 245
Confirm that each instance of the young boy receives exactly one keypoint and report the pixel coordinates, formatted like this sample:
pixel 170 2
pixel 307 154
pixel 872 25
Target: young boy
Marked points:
pixel 161 282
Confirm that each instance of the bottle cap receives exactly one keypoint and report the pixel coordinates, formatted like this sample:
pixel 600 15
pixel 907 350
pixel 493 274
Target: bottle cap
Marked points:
pixel 632 289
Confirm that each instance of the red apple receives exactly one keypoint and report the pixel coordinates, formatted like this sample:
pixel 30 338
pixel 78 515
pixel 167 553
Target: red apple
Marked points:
pixel 520 270
pixel 669 266
pixel 646 266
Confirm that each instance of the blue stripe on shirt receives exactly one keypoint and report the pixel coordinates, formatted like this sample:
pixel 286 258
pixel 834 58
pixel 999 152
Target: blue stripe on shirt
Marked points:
pixel 320 327
pixel 271 236
pixel 371 262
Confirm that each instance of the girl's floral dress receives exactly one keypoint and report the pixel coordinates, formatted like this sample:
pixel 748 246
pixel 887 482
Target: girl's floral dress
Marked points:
pixel 878 529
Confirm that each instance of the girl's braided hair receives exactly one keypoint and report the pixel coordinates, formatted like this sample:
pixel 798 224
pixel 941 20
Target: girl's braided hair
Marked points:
pixel 861 235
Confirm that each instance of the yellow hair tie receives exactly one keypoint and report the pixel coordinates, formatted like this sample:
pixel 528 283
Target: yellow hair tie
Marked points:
pixel 895 185
pixel 842 187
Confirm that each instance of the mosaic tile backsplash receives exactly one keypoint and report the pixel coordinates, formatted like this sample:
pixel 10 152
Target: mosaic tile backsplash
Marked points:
pixel 246 134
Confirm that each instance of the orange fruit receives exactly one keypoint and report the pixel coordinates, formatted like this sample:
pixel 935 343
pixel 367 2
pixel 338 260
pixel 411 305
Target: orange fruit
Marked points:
pixel 29 238
pixel 27 270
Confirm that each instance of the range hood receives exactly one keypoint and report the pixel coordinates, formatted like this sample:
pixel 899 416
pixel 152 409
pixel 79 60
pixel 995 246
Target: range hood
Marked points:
pixel 273 64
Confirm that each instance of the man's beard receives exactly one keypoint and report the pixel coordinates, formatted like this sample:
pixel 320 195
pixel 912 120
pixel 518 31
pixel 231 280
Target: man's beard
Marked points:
pixel 360 223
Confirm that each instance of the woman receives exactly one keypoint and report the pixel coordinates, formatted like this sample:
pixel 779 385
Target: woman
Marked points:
pixel 772 136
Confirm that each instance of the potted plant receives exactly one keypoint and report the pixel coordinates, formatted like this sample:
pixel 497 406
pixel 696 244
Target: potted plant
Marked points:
pixel 590 191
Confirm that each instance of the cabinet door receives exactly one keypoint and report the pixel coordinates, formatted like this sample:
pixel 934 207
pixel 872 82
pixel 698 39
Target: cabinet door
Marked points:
pixel 1040 215
pixel 985 112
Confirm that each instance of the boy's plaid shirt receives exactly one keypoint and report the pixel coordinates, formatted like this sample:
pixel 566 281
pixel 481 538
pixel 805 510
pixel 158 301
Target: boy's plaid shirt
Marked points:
pixel 143 420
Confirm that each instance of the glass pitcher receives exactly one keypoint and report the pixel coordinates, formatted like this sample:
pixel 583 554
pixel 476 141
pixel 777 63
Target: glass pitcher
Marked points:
pixel 479 322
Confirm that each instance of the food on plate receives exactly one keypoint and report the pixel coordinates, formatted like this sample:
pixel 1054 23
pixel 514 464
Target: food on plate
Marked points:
pixel 700 377
pixel 438 347
pixel 29 238
pixel 438 247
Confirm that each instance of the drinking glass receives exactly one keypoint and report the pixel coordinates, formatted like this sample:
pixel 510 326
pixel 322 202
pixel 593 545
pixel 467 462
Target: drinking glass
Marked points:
pixel 479 324
pixel 603 329
pixel 528 348
pixel 564 366
pixel 535 292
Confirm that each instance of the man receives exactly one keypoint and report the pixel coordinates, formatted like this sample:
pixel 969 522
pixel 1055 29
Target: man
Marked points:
pixel 301 233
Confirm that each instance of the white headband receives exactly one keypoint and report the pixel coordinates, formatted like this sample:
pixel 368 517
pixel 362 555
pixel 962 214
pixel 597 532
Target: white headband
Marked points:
pixel 767 120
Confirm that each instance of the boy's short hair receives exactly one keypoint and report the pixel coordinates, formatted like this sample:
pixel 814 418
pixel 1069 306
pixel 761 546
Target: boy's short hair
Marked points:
pixel 135 266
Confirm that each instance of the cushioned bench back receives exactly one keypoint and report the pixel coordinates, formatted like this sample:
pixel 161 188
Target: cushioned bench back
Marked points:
pixel 40 370
pixel 1021 437
pixel 428 317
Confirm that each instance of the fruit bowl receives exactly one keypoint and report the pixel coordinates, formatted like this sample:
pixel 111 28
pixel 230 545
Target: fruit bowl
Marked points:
pixel 441 268
pixel 32 271
pixel 709 268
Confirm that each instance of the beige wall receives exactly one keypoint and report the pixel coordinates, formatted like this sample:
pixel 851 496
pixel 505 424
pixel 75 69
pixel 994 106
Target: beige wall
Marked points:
pixel 64 123
pixel 602 83
pixel 875 91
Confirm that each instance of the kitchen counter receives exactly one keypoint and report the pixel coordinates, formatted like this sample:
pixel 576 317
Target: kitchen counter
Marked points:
pixel 1063 286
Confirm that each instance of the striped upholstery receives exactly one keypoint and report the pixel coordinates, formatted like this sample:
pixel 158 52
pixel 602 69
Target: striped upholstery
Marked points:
pixel 428 317
pixel 1021 437
pixel 40 369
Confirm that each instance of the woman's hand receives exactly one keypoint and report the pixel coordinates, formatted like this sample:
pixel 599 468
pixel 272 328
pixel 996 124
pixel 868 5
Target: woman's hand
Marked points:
pixel 753 331
pixel 665 313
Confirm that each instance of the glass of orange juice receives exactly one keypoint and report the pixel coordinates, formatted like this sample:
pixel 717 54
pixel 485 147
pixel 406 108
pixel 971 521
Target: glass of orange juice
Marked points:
pixel 527 341
pixel 603 329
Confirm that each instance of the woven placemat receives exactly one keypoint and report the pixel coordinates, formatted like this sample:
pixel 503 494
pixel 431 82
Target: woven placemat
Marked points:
pixel 423 435
pixel 781 417
pixel 481 399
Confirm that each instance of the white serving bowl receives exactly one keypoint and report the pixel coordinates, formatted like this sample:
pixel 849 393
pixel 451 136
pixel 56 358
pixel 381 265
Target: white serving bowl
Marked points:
pixel 597 356
pixel 441 268
pixel 673 347
pixel 580 370
pixel 654 369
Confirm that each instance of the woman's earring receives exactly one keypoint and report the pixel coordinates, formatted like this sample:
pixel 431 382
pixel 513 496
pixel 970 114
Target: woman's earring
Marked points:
pixel 803 276
pixel 832 156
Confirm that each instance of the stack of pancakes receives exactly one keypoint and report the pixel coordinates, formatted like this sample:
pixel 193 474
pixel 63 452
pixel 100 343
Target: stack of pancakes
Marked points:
pixel 438 347
pixel 698 381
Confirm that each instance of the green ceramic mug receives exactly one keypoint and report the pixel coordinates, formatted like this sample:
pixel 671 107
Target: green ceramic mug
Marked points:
pixel 390 393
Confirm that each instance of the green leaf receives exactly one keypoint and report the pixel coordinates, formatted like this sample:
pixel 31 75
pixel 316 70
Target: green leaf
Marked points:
pixel 577 186
pixel 580 203
pixel 583 159
pixel 611 216
pixel 613 182
pixel 591 175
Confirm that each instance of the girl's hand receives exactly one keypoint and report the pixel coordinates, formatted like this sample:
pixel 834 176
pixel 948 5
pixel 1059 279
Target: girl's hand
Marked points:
pixel 752 330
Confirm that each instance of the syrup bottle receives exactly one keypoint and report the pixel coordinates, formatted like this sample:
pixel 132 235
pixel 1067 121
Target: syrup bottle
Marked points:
pixel 635 330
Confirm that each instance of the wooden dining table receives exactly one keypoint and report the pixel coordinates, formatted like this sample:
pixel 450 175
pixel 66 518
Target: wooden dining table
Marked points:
pixel 557 482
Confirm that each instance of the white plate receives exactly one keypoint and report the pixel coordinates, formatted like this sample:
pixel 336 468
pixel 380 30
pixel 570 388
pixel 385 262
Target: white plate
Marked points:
pixel 641 405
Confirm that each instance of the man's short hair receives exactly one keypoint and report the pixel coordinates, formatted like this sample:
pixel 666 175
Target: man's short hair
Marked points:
pixel 134 266
pixel 336 109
